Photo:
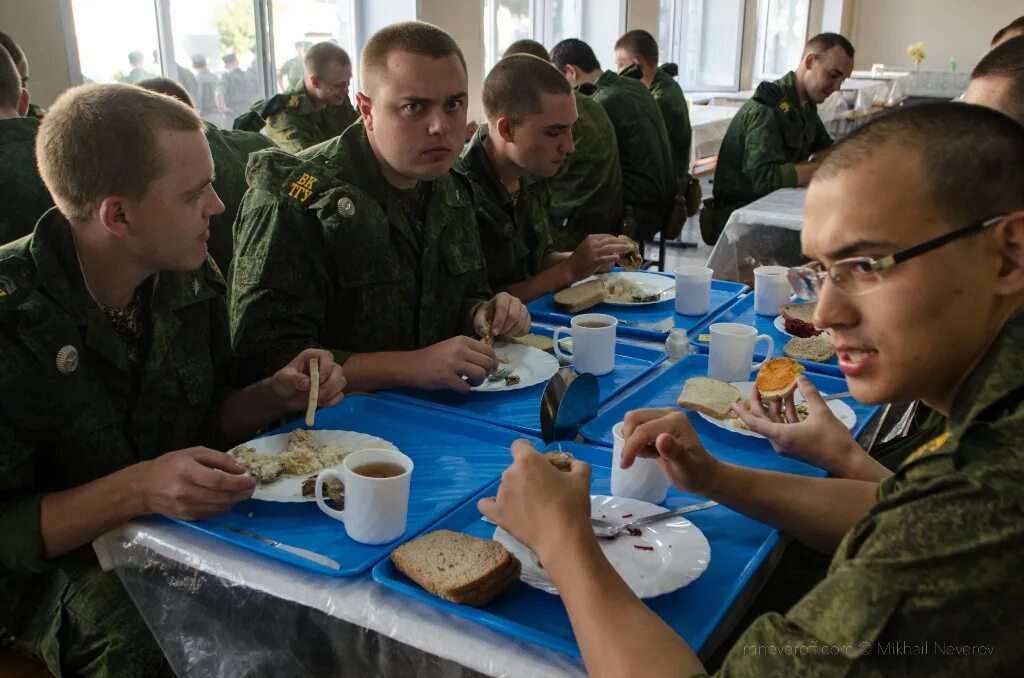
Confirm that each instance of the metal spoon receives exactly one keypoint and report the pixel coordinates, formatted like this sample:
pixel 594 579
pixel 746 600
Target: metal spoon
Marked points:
pixel 605 530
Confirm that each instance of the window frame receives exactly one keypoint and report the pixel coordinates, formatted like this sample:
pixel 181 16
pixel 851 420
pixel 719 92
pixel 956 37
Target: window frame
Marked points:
pixel 675 51
pixel 761 42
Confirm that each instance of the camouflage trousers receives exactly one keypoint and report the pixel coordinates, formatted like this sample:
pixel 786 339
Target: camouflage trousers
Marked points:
pixel 79 621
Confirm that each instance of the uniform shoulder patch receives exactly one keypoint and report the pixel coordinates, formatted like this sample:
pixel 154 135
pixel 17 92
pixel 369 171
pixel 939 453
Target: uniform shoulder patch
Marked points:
pixel 267 169
pixel 309 179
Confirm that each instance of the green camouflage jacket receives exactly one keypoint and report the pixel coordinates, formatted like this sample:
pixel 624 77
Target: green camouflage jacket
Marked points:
pixel 294 124
pixel 648 176
pixel 513 235
pixel 72 411
pixel 238 90
pixel 928 583
pixel 587 190
pixel 770 133
pixel 327 257
pixel 23 196
pixel 676 114
pixel 230 150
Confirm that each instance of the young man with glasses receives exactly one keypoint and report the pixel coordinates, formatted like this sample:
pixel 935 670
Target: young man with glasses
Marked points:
pixel 921 284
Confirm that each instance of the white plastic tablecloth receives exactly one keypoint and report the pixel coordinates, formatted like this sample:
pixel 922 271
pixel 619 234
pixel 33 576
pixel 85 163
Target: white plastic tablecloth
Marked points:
pixel 868 93
pixel 709 124
pixel 767 231
pixel 359 601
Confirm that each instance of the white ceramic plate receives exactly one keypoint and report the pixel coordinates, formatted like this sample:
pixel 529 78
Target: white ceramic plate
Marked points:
pixel 842 411
pixel 289 488
pixel 652 283
pixel 780 325
pixel 679 551
pixel 531 364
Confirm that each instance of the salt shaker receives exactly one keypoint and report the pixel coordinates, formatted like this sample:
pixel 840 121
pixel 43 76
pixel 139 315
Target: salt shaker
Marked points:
pixel 678 344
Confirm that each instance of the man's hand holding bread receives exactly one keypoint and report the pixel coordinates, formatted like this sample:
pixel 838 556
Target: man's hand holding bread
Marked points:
pixel 505 314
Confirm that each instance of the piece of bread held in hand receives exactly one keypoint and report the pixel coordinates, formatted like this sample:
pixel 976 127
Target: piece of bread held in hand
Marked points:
pixel 777 378
pixel 560 460
pixel 712 397
pixel 633 259
pixel 458 567
pixel 580 297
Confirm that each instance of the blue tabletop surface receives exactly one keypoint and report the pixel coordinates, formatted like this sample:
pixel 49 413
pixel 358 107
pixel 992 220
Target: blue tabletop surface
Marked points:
pixel 742 311
pixel 739 546
pixel 723 293
pixel 520 409
pixel 454 458
pixel 662 391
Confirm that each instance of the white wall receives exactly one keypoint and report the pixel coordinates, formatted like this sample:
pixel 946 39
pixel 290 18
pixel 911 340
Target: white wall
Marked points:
pixel 37 27
pixel 463 20
pixel 881 30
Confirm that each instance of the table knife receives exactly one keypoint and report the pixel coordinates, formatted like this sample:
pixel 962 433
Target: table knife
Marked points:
pixel 288 548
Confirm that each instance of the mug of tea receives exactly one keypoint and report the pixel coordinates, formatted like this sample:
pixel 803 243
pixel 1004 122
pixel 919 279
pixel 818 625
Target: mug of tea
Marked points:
pixel 593 343
pixel 376 494
pixel 771 289
pixel 732 351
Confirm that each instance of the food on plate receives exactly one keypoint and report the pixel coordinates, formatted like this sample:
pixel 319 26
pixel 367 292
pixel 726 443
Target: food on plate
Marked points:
pixel 304 454
pixel 633 259
pixel 333 488
pixel 777 378
pixel 580 297
pixel 512 380
pixel 803 310
pixel 712 397
pixel 622 289
pixel 800 328
pixel 560 460
pixel 818 349
pixel 458 567
pixel 538 341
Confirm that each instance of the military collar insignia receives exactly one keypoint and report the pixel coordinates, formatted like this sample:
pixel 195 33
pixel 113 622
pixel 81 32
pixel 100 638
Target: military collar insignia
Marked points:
pixel 931 446
pixel 293 101
pixel 196 287
pixel 346 207
pixel 216 268
pixel 7 285
pixel 67 359
pixel 784 106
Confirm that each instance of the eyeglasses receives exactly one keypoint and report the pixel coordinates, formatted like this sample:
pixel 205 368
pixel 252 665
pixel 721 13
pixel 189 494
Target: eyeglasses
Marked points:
pixel 859 275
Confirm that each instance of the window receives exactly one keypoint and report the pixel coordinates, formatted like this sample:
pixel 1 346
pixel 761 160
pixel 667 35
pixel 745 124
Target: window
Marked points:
pixel 703 37
pixel 781 34
pixel 505 21
pixel 124 51
pixel 298 24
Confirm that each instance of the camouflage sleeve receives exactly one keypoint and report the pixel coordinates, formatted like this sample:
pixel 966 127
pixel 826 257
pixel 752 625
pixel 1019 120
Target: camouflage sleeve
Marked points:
pixel 289 136
pixel 822 139
pixel 21 540
pixel 279 286
pixel 765 161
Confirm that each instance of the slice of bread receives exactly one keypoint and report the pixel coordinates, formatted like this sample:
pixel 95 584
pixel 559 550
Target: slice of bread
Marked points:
pixel 818 349
pixel 560 460
pixel 712 397
pixel 540 341
pixel 777 378
pixel 580 297
pixel 458 567
pixel 801 311
pixel 632 260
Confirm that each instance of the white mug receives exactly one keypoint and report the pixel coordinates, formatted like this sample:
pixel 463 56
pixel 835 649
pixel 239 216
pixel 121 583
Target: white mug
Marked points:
pixel 643 480
pixel 593 343
pixel 693 290
pixel 732 351
pixel 376 508
pixel 771 289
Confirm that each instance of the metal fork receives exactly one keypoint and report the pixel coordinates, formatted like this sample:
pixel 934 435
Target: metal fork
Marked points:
pixel 663 325
pixel 605 530
pixel 501 375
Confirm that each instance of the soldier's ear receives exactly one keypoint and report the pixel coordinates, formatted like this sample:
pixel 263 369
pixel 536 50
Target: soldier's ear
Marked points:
pixel 113 216
pixel 1010 236
pixel 504 126
pixel 23 101
pixel 365 107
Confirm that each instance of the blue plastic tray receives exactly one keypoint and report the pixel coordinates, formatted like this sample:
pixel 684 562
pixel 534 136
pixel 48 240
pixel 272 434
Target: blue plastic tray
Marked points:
pixel 454 459
pixel 739 546
pixel 662 391
pixel 722 294
pixel 742 311
pixel 520 409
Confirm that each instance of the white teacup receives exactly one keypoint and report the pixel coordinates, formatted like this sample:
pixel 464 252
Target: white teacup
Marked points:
pixel 771 289
pixel 593 343
pixel 376 494
pixel 693 290
pixel 732 351
pixel 643 480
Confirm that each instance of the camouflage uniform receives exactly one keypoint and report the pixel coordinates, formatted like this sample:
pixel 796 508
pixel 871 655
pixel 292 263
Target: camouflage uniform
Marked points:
pixel 648 179
pixel 672 103
pixel 230 150
pixel 294 124
pixel 586 193
pixel 330 254
pixel 769 134
pixel 513 231
pixel 206 99
pixel 101 412
pixel 23 197
pixel 238 91
pixel 935 563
